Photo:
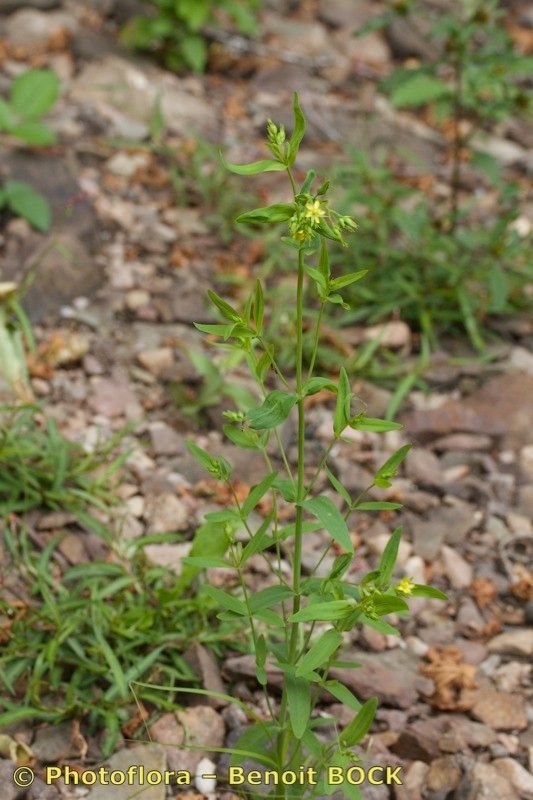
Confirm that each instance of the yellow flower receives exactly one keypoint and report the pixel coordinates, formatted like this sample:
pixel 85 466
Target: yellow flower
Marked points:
pixel 314 211
pixel 405 586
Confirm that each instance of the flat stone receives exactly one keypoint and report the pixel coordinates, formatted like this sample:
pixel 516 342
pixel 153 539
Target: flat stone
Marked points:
pixel 463 441
pixel 501 407
pixel 114 397
pixel 152 757
pixel 202 726
pixel 458 571
pixel 53 743
pixel 165 440
pixel 444 775
pixel 8 789
pixel 423 467
pixel 517 642
pixel 499 710
pixel 392 675
pixel 30 27
pixel 518 777
pixel 165 513
pixel 485 782
pixel 114 84
pixel 420 740
pixel 169 733
pixel 460 733
pixel 444 524
pixel 168 555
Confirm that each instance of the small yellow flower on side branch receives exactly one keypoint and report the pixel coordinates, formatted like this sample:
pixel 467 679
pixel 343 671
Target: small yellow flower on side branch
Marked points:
pixel 405 586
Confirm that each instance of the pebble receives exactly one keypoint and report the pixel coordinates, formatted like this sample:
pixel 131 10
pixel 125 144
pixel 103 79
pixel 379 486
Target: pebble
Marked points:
pixel 166 512
pixel 458 571
pixel 499 710
pixel 158 362
pixel 517 775
pixel 485 782
pixel 152 757
pixel 517 642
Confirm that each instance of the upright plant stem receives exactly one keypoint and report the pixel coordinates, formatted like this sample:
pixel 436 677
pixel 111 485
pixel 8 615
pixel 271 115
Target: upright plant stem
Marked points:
pixel 300 492
pixel 457 138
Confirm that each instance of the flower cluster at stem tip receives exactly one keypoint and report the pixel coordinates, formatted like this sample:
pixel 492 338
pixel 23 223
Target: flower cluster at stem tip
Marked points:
pixel 312 212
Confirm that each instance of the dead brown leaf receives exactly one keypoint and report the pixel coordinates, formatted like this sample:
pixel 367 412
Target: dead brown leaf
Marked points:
pixel 132 725
pixel 483 591
pixel 451 677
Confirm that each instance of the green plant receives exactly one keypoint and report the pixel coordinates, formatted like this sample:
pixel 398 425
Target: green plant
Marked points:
pixel 73 641
pixel 174 29
pixel 41 468
pixel 440 281
pixel 474 80
pixel 32 95
pixel 297 625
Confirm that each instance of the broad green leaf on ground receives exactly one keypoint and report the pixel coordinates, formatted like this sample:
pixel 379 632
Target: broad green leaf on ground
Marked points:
pixel 27 203
pixel 34 93
pixel 418 90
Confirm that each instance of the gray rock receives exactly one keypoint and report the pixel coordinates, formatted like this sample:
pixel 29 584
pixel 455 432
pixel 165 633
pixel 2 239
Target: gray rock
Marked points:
pixel 39 790
pixel 392 675
pixel 204 727
pixel 518 777
pixel 458 571
pixel 485 782
pixel 113 84
pixel 32 28
pixel 8 789
pixel 166 512
pixel 53 743
pixel 407 41
pixel 423 467
pixel 517 642
pixel 420 740
pixel 152 757
pixel 444 524
pixel 165 440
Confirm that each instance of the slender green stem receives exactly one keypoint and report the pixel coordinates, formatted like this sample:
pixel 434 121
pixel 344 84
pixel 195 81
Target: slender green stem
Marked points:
pixel 300 491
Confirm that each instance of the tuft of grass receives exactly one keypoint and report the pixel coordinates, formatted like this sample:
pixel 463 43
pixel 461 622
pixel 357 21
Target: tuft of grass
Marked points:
pixel 72 644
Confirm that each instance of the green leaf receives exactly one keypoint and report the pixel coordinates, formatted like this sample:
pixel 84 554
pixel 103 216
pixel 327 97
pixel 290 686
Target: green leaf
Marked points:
pixel 225 309
pixel 259 541
pixel 278 212
pixel 389 604
pixel 216 329
pixel 34 93
pixel 346 280
pixel 360 725
pixel 314 385
pixel 380 625
pixel 255 168
pixel 271 596
pixel 112 662
pixel 27 203
pixel 204 562
pixel 260 660
pixel 35 133
pixel 337 485
pixel 378 506
pixel 320 652
pixel 325 510
pixel 256 493
pixel 389 469
pixel 342 409
pixel 6 116
pixel 418 90
pixel 210 541
pixel 420 590
pixel 388 558
pixel 225 600
pixel 259 306
pixel 362 423
pixel 242 437
pixel 193 50
pixel 325 612
pixel 343 694
pixel 298 132
pixel 273 410
pixel 299 703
